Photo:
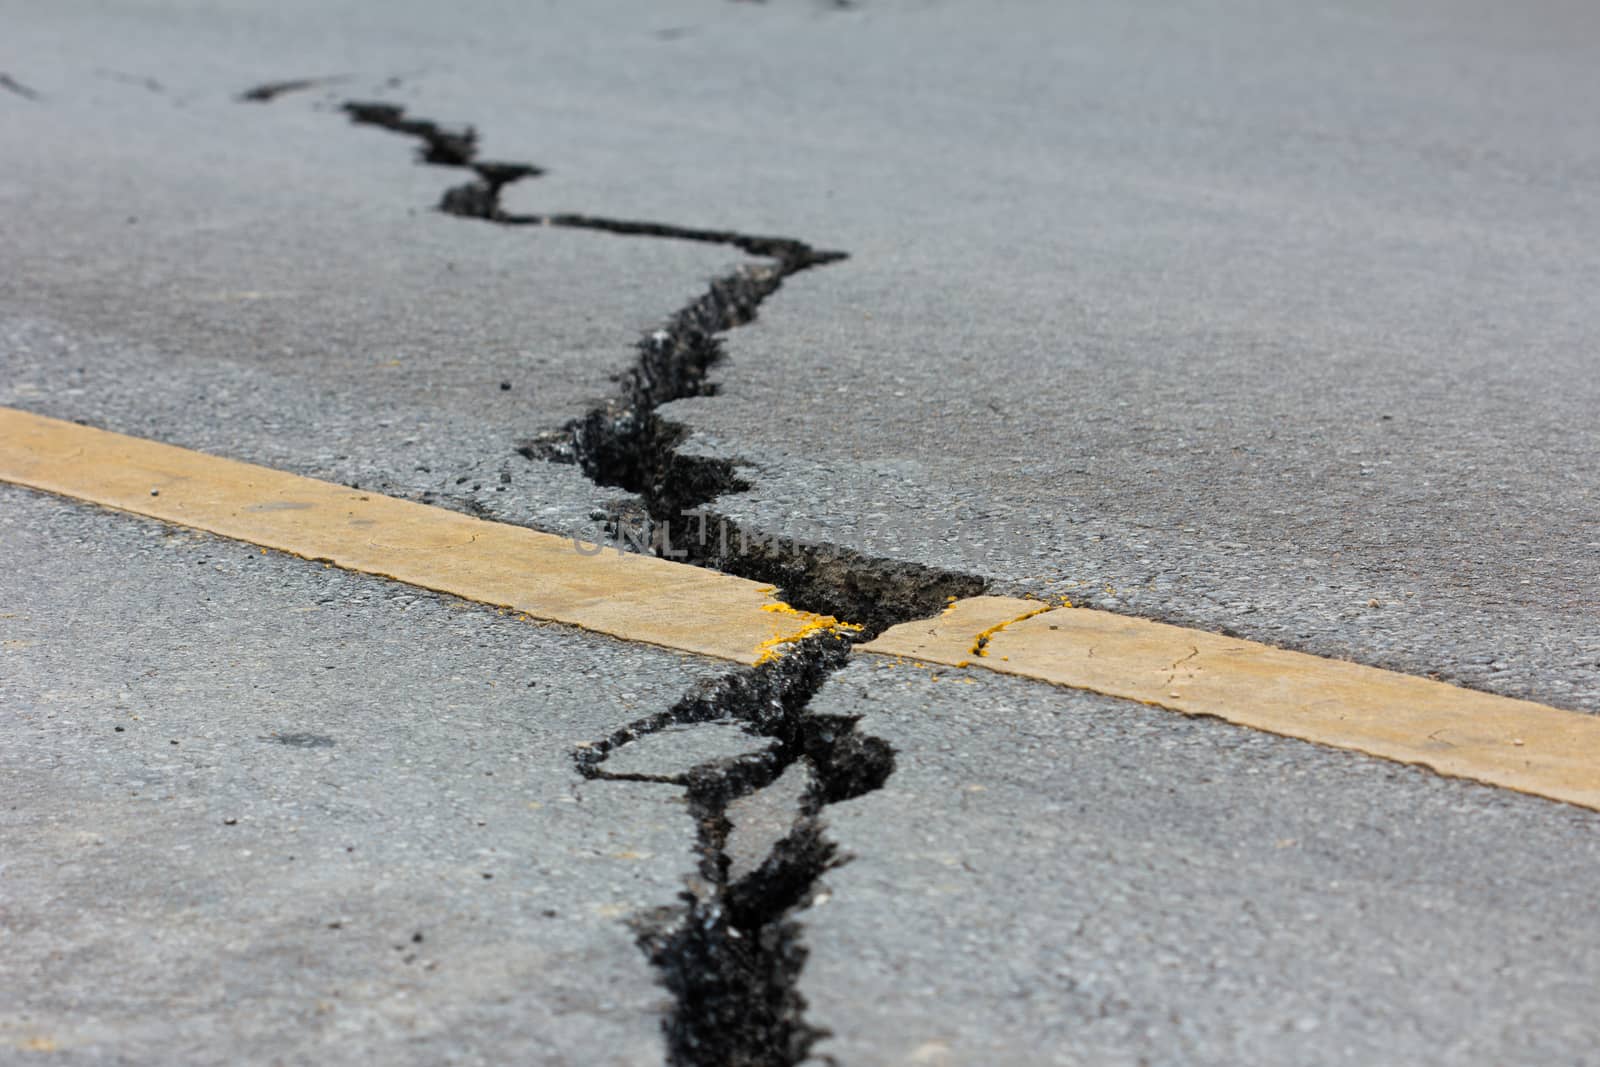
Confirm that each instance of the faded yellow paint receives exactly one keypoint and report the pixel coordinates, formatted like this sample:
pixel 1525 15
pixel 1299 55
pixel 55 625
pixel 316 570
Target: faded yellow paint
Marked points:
pixel 951 637
pixel 634 597
pixel 1515 744
pixel 980 644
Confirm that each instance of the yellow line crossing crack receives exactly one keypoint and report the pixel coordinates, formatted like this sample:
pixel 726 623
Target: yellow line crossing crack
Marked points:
pixel 1515 744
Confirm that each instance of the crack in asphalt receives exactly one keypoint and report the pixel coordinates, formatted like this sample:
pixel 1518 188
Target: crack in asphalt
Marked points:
pixel 624 442
pixel 442 146
pixel 730 952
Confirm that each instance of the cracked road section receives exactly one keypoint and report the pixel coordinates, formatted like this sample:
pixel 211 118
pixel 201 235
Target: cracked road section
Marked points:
pixel 625 443
pixel 1492 739
pixel 634 597
pixel 1254 333
pixel 732 954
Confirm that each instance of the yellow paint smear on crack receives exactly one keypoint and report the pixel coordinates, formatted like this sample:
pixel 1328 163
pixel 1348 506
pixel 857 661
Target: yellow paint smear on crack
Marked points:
pixel 808 623
pixel 980 644
pixel 1463 733
pixel 546 577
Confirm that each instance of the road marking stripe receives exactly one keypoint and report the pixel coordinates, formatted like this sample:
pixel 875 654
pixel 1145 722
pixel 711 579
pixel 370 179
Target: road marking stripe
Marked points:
pixel 626 595
pixel 1463 733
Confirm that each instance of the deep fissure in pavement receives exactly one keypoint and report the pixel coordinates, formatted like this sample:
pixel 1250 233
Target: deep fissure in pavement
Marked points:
pixel 625 442
pixel 731 951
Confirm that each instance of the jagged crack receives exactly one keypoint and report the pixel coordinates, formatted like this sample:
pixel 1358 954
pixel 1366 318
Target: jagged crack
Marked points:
pixel 442 146
pixel 731 952
pixel 626 443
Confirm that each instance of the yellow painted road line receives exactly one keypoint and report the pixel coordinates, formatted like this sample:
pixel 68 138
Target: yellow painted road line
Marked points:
pixel 1515 744
pixel 953 637
pixel 634 597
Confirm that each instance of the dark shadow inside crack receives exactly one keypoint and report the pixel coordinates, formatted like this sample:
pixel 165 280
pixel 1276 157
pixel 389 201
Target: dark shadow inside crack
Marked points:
pixel 731 950
pixel 625 443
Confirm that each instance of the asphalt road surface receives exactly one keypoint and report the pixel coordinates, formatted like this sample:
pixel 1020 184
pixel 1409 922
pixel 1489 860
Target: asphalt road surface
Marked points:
pixel 1275 320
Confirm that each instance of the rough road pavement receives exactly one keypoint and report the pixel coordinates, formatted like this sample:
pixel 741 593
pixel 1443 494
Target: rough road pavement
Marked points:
pixel 1273 320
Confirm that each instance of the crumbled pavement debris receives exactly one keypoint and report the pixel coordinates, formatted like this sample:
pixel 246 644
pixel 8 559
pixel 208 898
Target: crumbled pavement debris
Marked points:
pixel 731 953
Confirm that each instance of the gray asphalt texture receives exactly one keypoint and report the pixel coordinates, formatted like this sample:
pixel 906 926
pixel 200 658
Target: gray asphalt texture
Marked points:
pixel 1061 878
pixel 259 811
pixel 1274 319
